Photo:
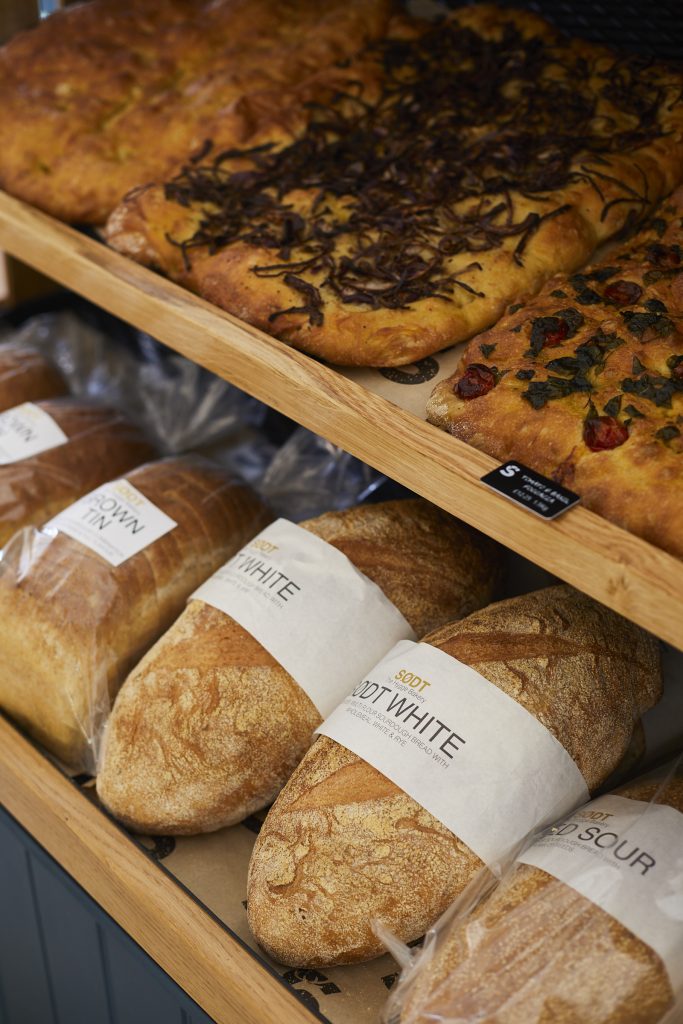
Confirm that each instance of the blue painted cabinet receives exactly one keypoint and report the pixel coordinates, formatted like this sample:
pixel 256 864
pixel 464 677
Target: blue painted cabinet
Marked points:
pixel 63 960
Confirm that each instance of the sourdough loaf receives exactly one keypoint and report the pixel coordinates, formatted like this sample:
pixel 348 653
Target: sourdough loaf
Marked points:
pixel 72 625
pixel 101 445
pixel 208 727
pixel 343 845
pixel 566 958
pixel 26 376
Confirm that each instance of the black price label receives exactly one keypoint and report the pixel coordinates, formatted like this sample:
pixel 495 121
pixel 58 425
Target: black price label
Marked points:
pixel 529 489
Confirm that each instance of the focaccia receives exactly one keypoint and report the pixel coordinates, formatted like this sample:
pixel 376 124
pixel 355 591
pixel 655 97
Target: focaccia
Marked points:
pixel 585 383
pixel 110 94
pixel 462 165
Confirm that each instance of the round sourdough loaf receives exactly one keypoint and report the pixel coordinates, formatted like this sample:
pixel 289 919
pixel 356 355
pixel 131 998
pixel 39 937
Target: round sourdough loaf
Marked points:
pixel 209 727
pixel 343 846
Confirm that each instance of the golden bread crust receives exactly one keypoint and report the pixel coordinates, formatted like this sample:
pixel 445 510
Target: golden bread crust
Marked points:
pixel 102 444
pixel 72 625
pixel 542 411
pixel 26 376
pixel 111 94
pixel 354 264
pixel 342 845
pixel 209 727
pixel 567 959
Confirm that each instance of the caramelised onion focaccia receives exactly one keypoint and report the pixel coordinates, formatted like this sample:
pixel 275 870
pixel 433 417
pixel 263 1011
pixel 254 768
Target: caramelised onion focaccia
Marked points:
pixel 585 383
pixel 463 164
pixel 109 94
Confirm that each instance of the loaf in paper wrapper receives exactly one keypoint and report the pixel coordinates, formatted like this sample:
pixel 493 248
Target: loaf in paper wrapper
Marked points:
pixel 594 936
pixel 209 726
pixel 344 845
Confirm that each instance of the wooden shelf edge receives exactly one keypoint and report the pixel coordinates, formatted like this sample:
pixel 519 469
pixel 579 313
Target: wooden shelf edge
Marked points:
pixel 189 944
pixel 624 572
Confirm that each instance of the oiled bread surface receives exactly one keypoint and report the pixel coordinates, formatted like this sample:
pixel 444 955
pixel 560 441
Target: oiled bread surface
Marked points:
pixel 567 959
pixel 208 727
pixel 483 155
pixel 111 94
pixel 588 383
pixel 72 625
pixel 343 845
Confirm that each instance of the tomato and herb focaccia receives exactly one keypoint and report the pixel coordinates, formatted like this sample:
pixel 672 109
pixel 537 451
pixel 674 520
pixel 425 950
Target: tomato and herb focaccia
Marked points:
pixel 585 383
pixel 461 165
pixel 110 94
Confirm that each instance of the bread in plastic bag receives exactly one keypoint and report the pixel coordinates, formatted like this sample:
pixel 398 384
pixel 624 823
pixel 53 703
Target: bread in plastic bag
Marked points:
pixel 26 375
pixel 343 845
pixel 99 444
pixel 73 623
pixel 179 404
pixel 532 949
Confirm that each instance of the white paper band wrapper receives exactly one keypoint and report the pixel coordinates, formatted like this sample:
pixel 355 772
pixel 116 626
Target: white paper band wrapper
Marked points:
pixel 460 747
pixel 27 430
pixel 298 595
pixel 116 521
pixel 625 856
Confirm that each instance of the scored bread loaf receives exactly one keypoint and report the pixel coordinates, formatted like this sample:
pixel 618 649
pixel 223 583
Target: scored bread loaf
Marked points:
pixel 566 958
pixel 26 376
pixel 208 727
pixel 101 445
pixel 72 625
pixel 343 845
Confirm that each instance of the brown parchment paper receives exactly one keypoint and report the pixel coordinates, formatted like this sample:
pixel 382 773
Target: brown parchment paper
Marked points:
pixel 213 867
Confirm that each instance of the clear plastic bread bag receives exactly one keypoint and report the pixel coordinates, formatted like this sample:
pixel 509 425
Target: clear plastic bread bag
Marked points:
pixel 26 375
pixel 54 451
pixel 179 404
pixel 585 927
pixel 83 597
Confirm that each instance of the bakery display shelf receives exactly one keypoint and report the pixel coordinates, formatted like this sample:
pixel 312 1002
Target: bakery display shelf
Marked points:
pixel 621 570
pixel 206 959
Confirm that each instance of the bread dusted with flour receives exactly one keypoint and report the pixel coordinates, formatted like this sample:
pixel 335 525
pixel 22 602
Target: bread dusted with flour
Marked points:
pixel 100 445
pixel 563 953
pixel 209 726
pixel 343 845
pixel 72 624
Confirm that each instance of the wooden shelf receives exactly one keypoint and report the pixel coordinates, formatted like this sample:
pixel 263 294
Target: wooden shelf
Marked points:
pixel 213 965
pixel 190 944
pixel 624 572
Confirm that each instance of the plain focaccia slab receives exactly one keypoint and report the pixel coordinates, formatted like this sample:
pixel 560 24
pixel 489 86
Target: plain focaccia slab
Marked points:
pixel 72 625
pixel 604 419
pixel 561 950
pixel 114 93
pixel 407 220
pixel 209 727
pixel 26 376
pixel 102 444
pixel 343 846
